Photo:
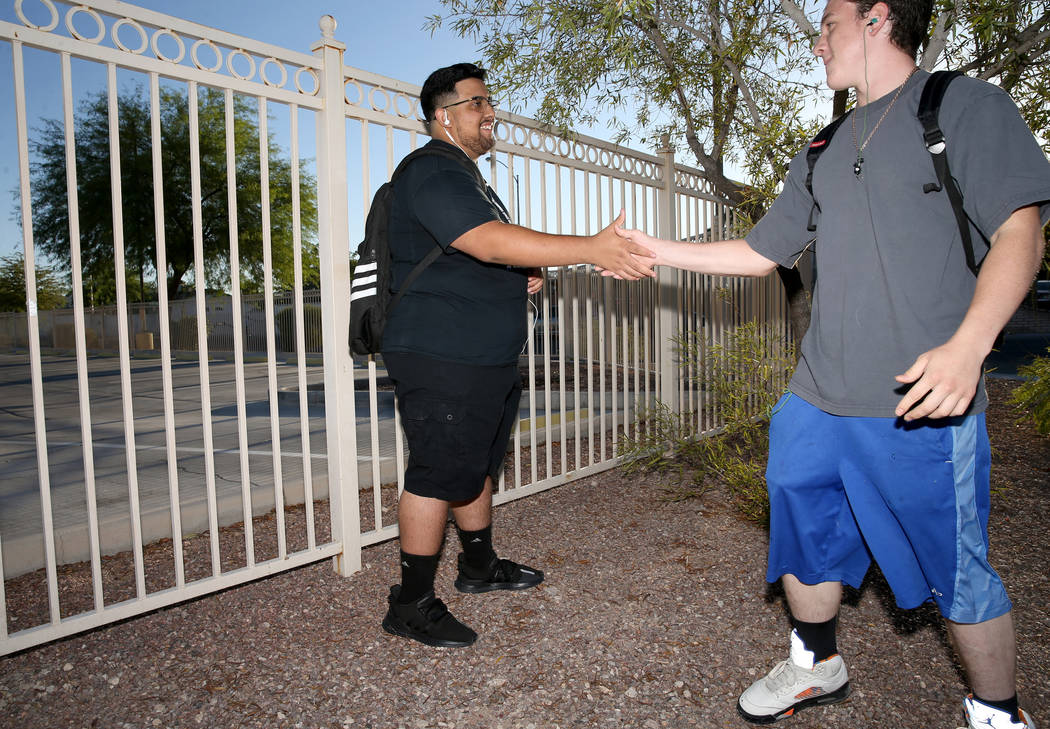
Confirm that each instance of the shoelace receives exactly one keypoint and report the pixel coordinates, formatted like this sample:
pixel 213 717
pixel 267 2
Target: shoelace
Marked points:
pixel 782 676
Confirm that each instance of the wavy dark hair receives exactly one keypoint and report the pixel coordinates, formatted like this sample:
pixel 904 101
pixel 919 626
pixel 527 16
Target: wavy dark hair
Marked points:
pixel 911 21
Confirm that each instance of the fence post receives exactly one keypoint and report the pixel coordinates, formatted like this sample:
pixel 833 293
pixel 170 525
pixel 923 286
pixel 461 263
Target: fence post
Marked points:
pixel 334 258
pixel 667 285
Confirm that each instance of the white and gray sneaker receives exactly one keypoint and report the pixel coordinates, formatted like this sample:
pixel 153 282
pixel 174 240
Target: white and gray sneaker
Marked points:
pixel 793 685
pixel 982 716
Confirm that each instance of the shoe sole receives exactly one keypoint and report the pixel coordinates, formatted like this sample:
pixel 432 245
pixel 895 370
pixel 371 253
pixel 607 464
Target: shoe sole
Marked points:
pixel 394 629
pixel 475 588
pixel 833 698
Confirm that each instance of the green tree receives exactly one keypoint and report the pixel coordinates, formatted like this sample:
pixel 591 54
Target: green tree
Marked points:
pixel 51 290
pixel 50 213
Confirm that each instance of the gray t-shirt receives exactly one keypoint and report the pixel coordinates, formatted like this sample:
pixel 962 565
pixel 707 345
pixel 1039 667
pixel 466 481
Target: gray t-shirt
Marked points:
pixel 892 280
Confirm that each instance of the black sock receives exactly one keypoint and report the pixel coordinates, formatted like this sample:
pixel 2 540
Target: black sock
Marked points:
pixel 477 547
pixel 417 576
pixel 817 637
pixel 1008 705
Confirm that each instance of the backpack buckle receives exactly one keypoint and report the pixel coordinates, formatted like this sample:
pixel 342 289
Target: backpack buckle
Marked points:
pixel 934 141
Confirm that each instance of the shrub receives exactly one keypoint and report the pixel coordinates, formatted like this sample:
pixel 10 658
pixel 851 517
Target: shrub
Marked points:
pixel 744 378
pixel 1033 396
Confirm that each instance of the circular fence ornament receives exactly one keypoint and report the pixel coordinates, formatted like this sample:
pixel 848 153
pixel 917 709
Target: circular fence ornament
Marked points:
pixel 357 87
pixel 241 53
pixel 168 33
pixel 129 23
pixel 99 24
pixel 271 61
pixel 299 81
pixel 195 57
pixel 52 24
pixel 375 91
pixel 404 100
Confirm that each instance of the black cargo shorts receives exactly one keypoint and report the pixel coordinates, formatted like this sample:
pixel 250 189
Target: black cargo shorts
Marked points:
pixel 457 420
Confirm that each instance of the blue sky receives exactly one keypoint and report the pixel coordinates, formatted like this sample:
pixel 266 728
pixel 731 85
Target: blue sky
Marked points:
pixel 382 37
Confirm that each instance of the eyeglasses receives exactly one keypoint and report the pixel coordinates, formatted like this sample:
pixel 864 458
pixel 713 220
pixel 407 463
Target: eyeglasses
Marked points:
pixel 476 103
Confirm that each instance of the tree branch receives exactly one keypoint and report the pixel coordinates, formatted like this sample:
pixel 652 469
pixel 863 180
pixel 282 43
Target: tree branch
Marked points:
pixel 794 11
pixel 938 40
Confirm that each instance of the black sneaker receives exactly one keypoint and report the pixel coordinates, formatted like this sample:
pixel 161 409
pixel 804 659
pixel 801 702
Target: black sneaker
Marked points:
pixel 426 620
pixel 501 574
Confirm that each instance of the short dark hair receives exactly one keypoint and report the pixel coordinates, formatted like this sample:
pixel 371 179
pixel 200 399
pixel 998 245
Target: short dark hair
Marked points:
pixel 911 21
pixel 442 84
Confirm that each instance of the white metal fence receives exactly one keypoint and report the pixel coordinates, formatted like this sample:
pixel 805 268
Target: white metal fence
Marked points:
pixel 152 478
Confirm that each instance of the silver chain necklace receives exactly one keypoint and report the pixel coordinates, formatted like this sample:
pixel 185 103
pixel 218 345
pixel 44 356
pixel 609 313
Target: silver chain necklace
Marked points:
pixel 860 147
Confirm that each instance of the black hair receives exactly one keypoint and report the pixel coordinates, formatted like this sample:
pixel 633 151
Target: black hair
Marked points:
pixel 442 84
pixel 911 20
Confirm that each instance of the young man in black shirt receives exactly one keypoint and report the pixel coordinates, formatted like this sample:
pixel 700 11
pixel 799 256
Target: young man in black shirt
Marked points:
pixel 451 347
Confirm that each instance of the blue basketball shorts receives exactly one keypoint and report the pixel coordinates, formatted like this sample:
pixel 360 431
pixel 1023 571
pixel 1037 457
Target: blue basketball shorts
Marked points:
pixel 913 496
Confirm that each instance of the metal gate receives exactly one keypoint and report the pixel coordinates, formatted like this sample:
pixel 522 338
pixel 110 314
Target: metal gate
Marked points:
pixel 161 450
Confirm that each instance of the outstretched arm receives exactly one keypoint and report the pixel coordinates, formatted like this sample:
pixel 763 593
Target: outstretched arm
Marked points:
pixel 719 258
pixel 945 378
pixel 496 242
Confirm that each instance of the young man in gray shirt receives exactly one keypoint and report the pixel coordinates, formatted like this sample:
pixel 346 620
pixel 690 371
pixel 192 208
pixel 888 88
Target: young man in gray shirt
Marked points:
pixel 879 449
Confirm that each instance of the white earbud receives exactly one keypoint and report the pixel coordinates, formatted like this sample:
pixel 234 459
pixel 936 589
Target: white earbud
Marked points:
pixel 447 123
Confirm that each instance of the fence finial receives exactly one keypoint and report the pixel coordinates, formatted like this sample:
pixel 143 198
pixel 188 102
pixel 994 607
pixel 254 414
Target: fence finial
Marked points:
pixel 327 25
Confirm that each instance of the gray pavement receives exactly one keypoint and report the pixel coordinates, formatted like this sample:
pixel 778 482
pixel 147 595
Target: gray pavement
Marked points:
pixel 21 513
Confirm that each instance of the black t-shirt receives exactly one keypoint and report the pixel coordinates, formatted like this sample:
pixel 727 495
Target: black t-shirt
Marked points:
pixel 460 309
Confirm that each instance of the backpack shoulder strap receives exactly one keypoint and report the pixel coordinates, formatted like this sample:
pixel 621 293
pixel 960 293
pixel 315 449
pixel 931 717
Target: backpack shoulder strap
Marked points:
pixel 936 145
pixel 816 148
pixel 424 151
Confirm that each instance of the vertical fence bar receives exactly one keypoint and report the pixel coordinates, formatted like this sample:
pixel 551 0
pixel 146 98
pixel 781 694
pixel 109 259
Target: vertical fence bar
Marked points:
pixel 334 259
pixel 84 397
pixel 589 322
pixel 237 315
pixel 165 334
pixel 667 280
pixel 33 332
pixel 545 314
pixel 300 334
pixel 271 343
pixel 199 279
pixel 563 280
pixel 122 330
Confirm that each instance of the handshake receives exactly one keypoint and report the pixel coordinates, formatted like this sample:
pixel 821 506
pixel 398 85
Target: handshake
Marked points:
pixel 625 254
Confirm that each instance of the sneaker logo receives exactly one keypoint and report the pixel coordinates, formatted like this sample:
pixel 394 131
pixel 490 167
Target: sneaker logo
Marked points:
pixel 526 572
pixel 405 564
pixel 475 540
pixel 810 692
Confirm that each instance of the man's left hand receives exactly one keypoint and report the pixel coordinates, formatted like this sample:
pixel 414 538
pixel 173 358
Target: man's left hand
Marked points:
pixel 945 381
pixel 536 280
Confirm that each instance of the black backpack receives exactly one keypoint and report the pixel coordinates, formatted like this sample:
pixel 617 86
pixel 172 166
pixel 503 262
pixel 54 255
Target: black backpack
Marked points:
pixel 370 298
pixel 936 145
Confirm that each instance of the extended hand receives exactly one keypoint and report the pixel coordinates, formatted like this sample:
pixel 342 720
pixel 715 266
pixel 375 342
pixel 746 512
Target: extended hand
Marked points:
pixel 945 380
pixel 619 256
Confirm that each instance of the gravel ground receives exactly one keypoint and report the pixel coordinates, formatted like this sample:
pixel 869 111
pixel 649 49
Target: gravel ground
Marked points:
pixel 654 614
